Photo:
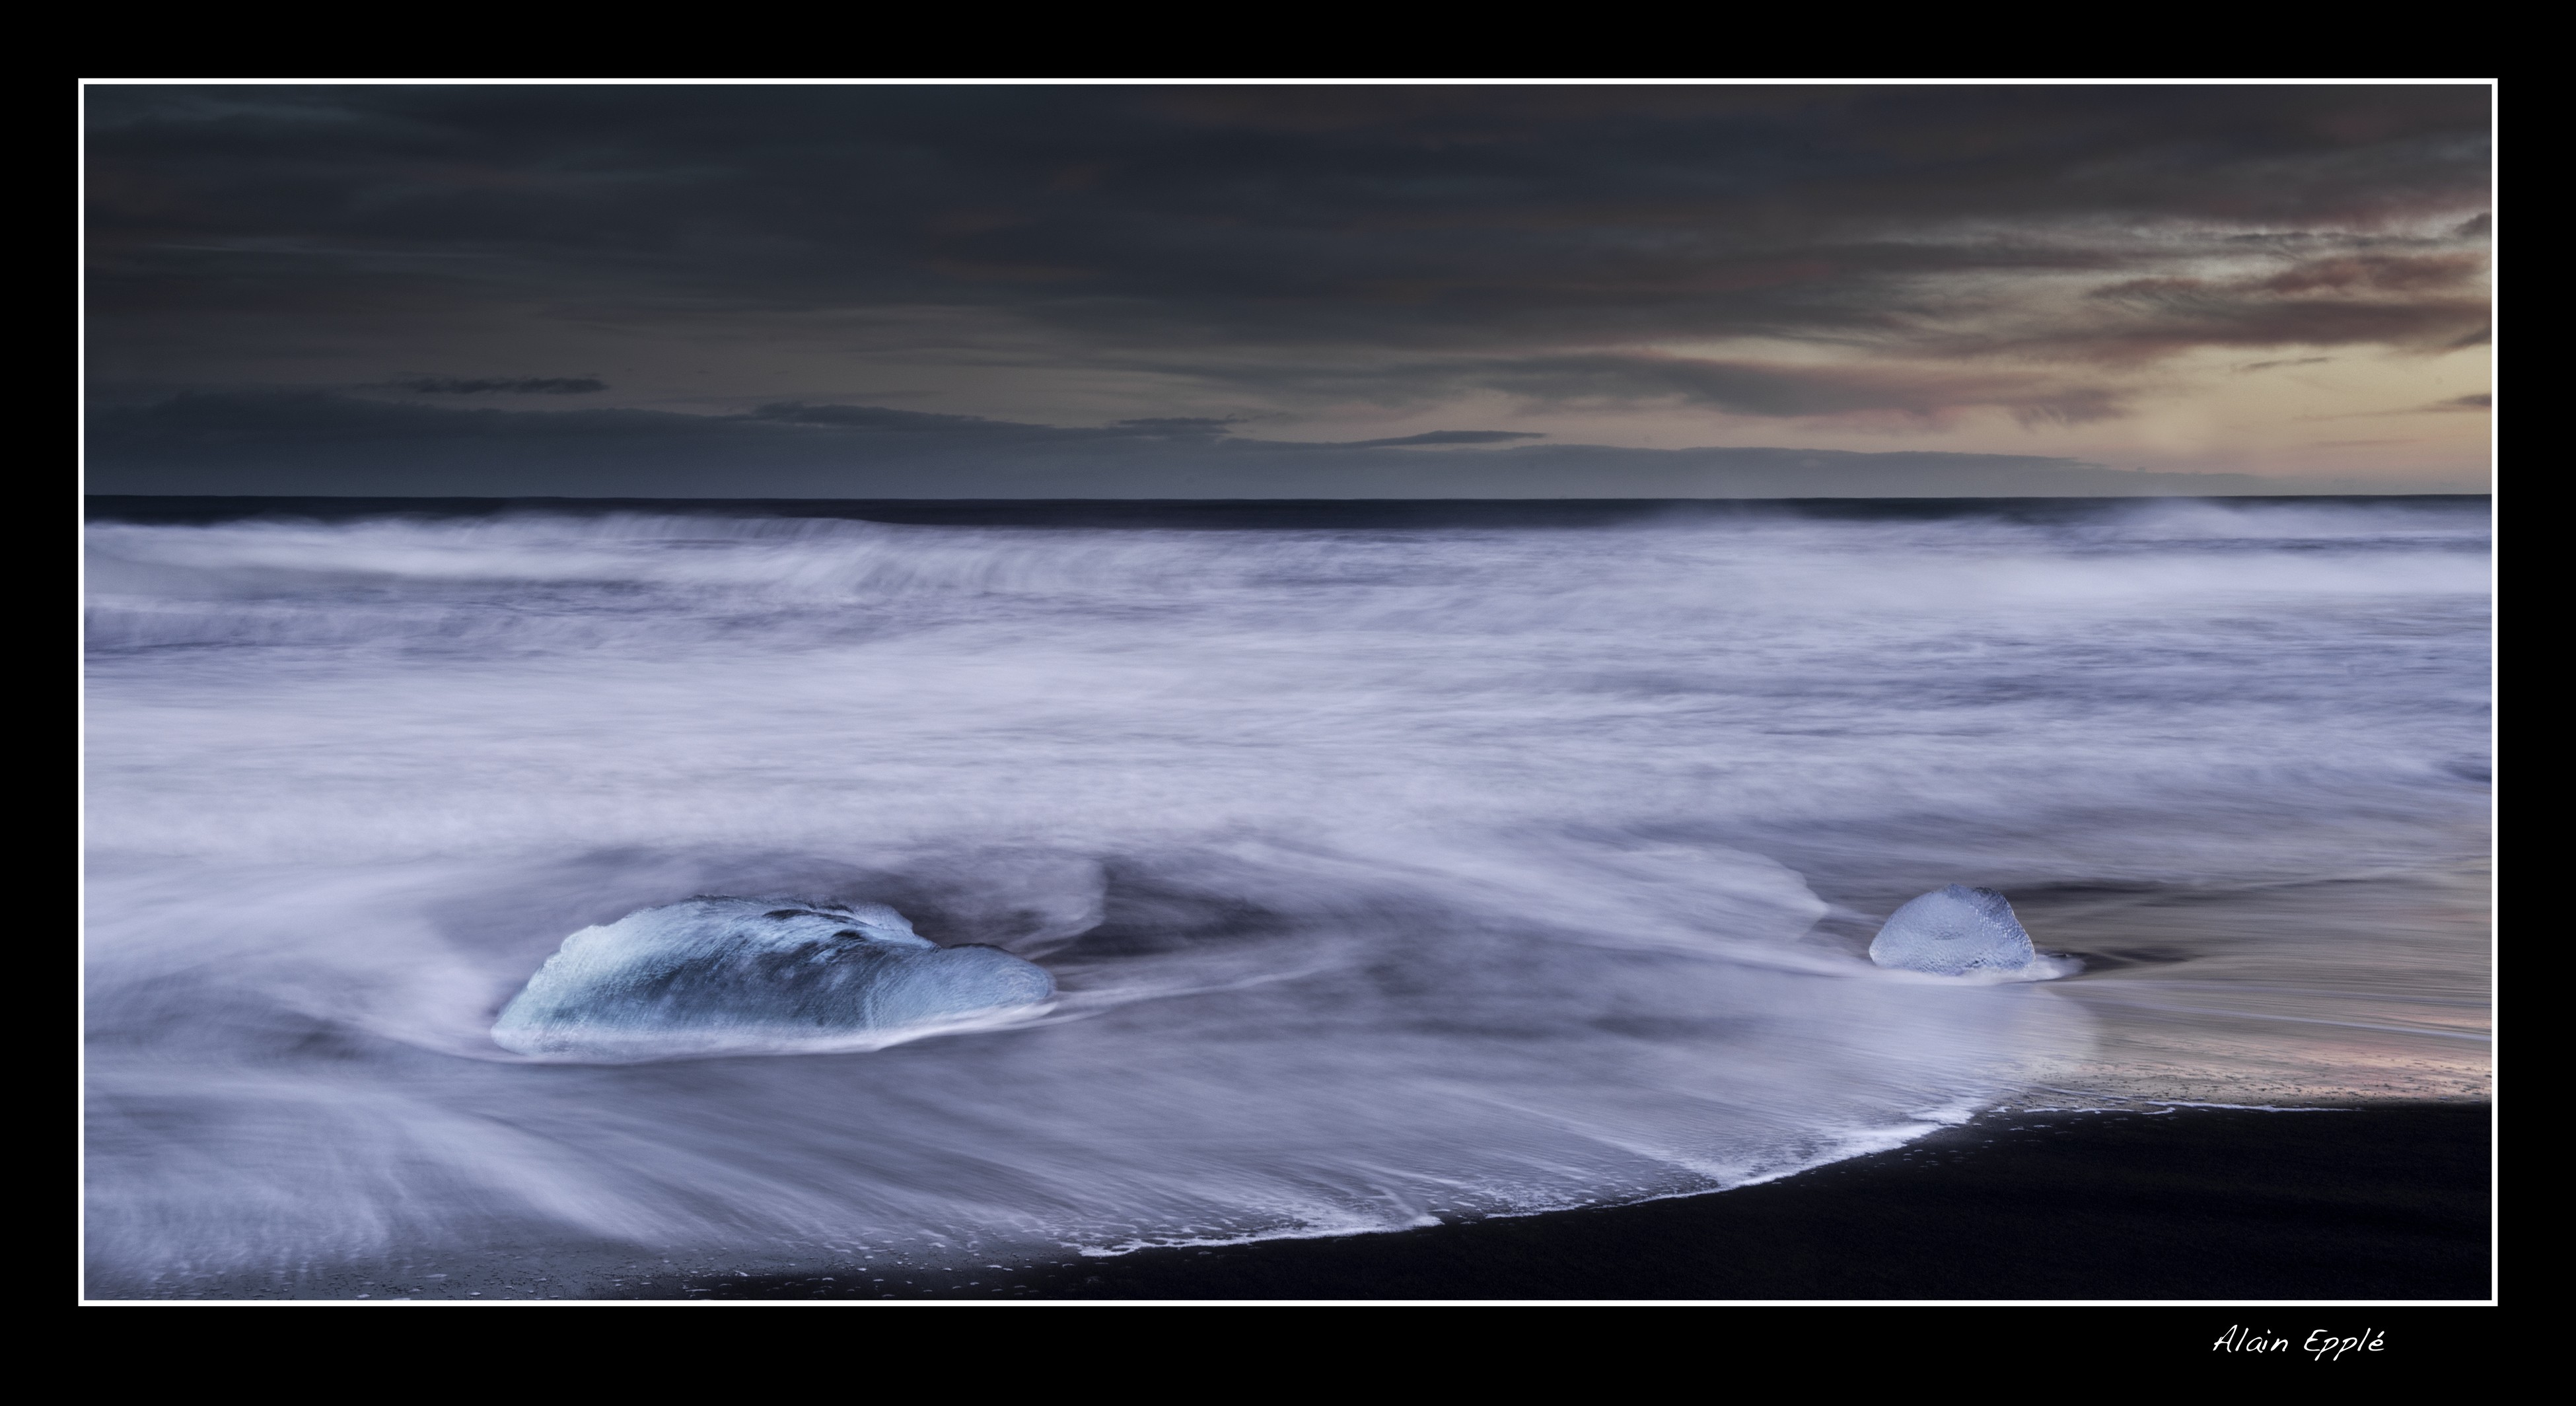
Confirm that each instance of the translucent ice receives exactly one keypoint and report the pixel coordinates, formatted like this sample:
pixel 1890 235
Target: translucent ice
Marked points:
pixel 739 975
pixel 1953 931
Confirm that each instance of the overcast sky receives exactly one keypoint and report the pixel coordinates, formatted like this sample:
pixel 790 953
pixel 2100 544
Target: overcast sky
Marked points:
pixel 1288 291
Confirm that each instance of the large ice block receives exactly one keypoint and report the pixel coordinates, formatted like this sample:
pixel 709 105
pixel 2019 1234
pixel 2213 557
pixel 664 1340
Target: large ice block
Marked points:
pixel 740 975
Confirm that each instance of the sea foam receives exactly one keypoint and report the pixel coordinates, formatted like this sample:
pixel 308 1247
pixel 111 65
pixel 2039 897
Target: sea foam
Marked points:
pixel 1383 873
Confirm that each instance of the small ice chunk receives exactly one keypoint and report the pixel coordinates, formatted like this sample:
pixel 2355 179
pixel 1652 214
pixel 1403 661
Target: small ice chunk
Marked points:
pixel 1953 931
pixel 713 975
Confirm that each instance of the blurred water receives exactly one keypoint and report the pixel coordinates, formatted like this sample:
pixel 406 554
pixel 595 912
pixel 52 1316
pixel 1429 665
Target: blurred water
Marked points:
pixel 1388 873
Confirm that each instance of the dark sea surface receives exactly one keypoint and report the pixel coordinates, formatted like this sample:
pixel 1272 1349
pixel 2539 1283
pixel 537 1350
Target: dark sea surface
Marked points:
pixel 1401 864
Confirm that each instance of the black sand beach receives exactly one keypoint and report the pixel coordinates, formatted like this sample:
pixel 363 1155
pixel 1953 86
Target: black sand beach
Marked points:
pixel 2386 1202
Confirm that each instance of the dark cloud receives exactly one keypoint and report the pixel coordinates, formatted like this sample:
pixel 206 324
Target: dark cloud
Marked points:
pixel 1436 437
pixel 885 421
pixel 2412 302
pixel 1610 380
pixel 1181 426
pixel 1746 388
pixel 1551 218
pixel 1185 263
pixel 313 443
pixel 2455 405
pixel 490 385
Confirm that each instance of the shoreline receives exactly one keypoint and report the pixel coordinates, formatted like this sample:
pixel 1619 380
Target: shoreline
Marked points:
pixel 2368 1202
pixel 2383 1201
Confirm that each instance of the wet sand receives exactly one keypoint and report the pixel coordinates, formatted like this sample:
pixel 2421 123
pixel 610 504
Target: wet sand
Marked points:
pixel 2376 1202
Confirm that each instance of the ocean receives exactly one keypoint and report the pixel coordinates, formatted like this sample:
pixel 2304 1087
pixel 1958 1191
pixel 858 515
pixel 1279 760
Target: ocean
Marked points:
pixel 1399 864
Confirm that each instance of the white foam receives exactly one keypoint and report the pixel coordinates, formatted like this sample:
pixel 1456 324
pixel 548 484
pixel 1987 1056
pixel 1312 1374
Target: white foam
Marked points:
pixel 1388 875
